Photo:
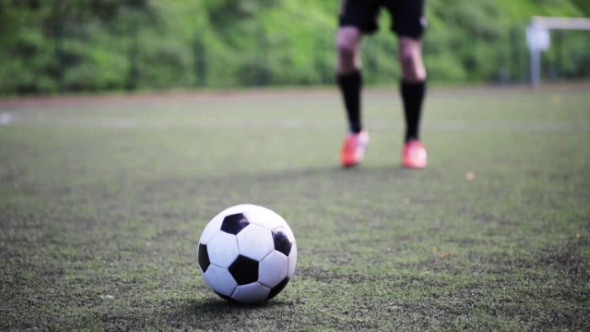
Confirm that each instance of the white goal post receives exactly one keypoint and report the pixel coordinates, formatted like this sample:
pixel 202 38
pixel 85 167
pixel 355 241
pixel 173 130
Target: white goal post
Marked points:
pixel 539 38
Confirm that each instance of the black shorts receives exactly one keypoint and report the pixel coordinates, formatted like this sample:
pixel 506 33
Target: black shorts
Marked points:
pixel 407 16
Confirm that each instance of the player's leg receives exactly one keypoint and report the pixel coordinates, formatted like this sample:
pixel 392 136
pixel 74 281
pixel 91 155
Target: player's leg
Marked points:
pixel 356 18
pixel 350 81
pixel 412 85
pixel 409 24
pixel 349 76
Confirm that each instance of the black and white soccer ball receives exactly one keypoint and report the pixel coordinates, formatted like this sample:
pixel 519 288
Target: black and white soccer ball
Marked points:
pixel 247 254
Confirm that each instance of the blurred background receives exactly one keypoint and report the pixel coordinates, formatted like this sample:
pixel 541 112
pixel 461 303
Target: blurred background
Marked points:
pixel 72 46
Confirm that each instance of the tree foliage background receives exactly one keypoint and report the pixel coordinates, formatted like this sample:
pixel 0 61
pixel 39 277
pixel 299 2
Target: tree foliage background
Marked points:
pixel 52 46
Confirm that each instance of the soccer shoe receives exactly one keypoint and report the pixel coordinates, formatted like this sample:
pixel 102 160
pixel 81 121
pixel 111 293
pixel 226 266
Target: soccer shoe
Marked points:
pixel 414 155
pixel 353 149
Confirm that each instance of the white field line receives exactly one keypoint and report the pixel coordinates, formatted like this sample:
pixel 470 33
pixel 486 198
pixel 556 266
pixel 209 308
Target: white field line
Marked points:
pixel 287 123
pixel 5 119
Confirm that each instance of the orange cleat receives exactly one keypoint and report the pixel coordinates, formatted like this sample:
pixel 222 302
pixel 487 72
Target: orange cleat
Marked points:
pixel 353 149
pixel 414 155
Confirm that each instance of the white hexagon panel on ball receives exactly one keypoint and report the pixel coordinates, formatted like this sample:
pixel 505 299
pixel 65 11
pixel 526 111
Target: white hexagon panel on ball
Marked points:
pixel 220 280
pixel 264 217
pixel 255 242
pixel 223 249
pixel 292 261
pixel 251 293
pixel 273 269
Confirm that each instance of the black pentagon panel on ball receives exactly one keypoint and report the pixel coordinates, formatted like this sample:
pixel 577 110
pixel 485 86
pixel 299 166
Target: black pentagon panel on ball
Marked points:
pixel 203 257
pixel 234 223
pixel 282 242
pixel 278 288
pixel 244 270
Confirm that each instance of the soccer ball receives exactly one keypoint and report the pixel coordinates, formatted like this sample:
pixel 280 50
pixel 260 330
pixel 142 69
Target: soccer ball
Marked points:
pixel 247 254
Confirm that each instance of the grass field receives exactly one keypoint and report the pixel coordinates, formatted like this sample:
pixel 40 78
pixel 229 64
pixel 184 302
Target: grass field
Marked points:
pixel 103 200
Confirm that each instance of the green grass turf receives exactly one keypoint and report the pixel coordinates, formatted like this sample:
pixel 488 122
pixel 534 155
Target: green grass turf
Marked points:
pixel 102 202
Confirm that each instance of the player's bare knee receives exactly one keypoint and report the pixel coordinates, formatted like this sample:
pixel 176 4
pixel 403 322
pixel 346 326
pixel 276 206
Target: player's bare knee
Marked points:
pixel 346 57
pixel 410 58
pixel 407 60
pixel 348 40
pixel 347 46
pixel 346 51
pixel 412 64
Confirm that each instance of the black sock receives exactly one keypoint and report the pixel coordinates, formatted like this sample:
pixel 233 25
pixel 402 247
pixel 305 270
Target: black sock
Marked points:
pixel 351 86
pixel 412 97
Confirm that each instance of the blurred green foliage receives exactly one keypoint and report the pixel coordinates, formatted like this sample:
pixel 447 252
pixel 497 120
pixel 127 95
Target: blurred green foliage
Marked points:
pixel 583 5
pixel 51 46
